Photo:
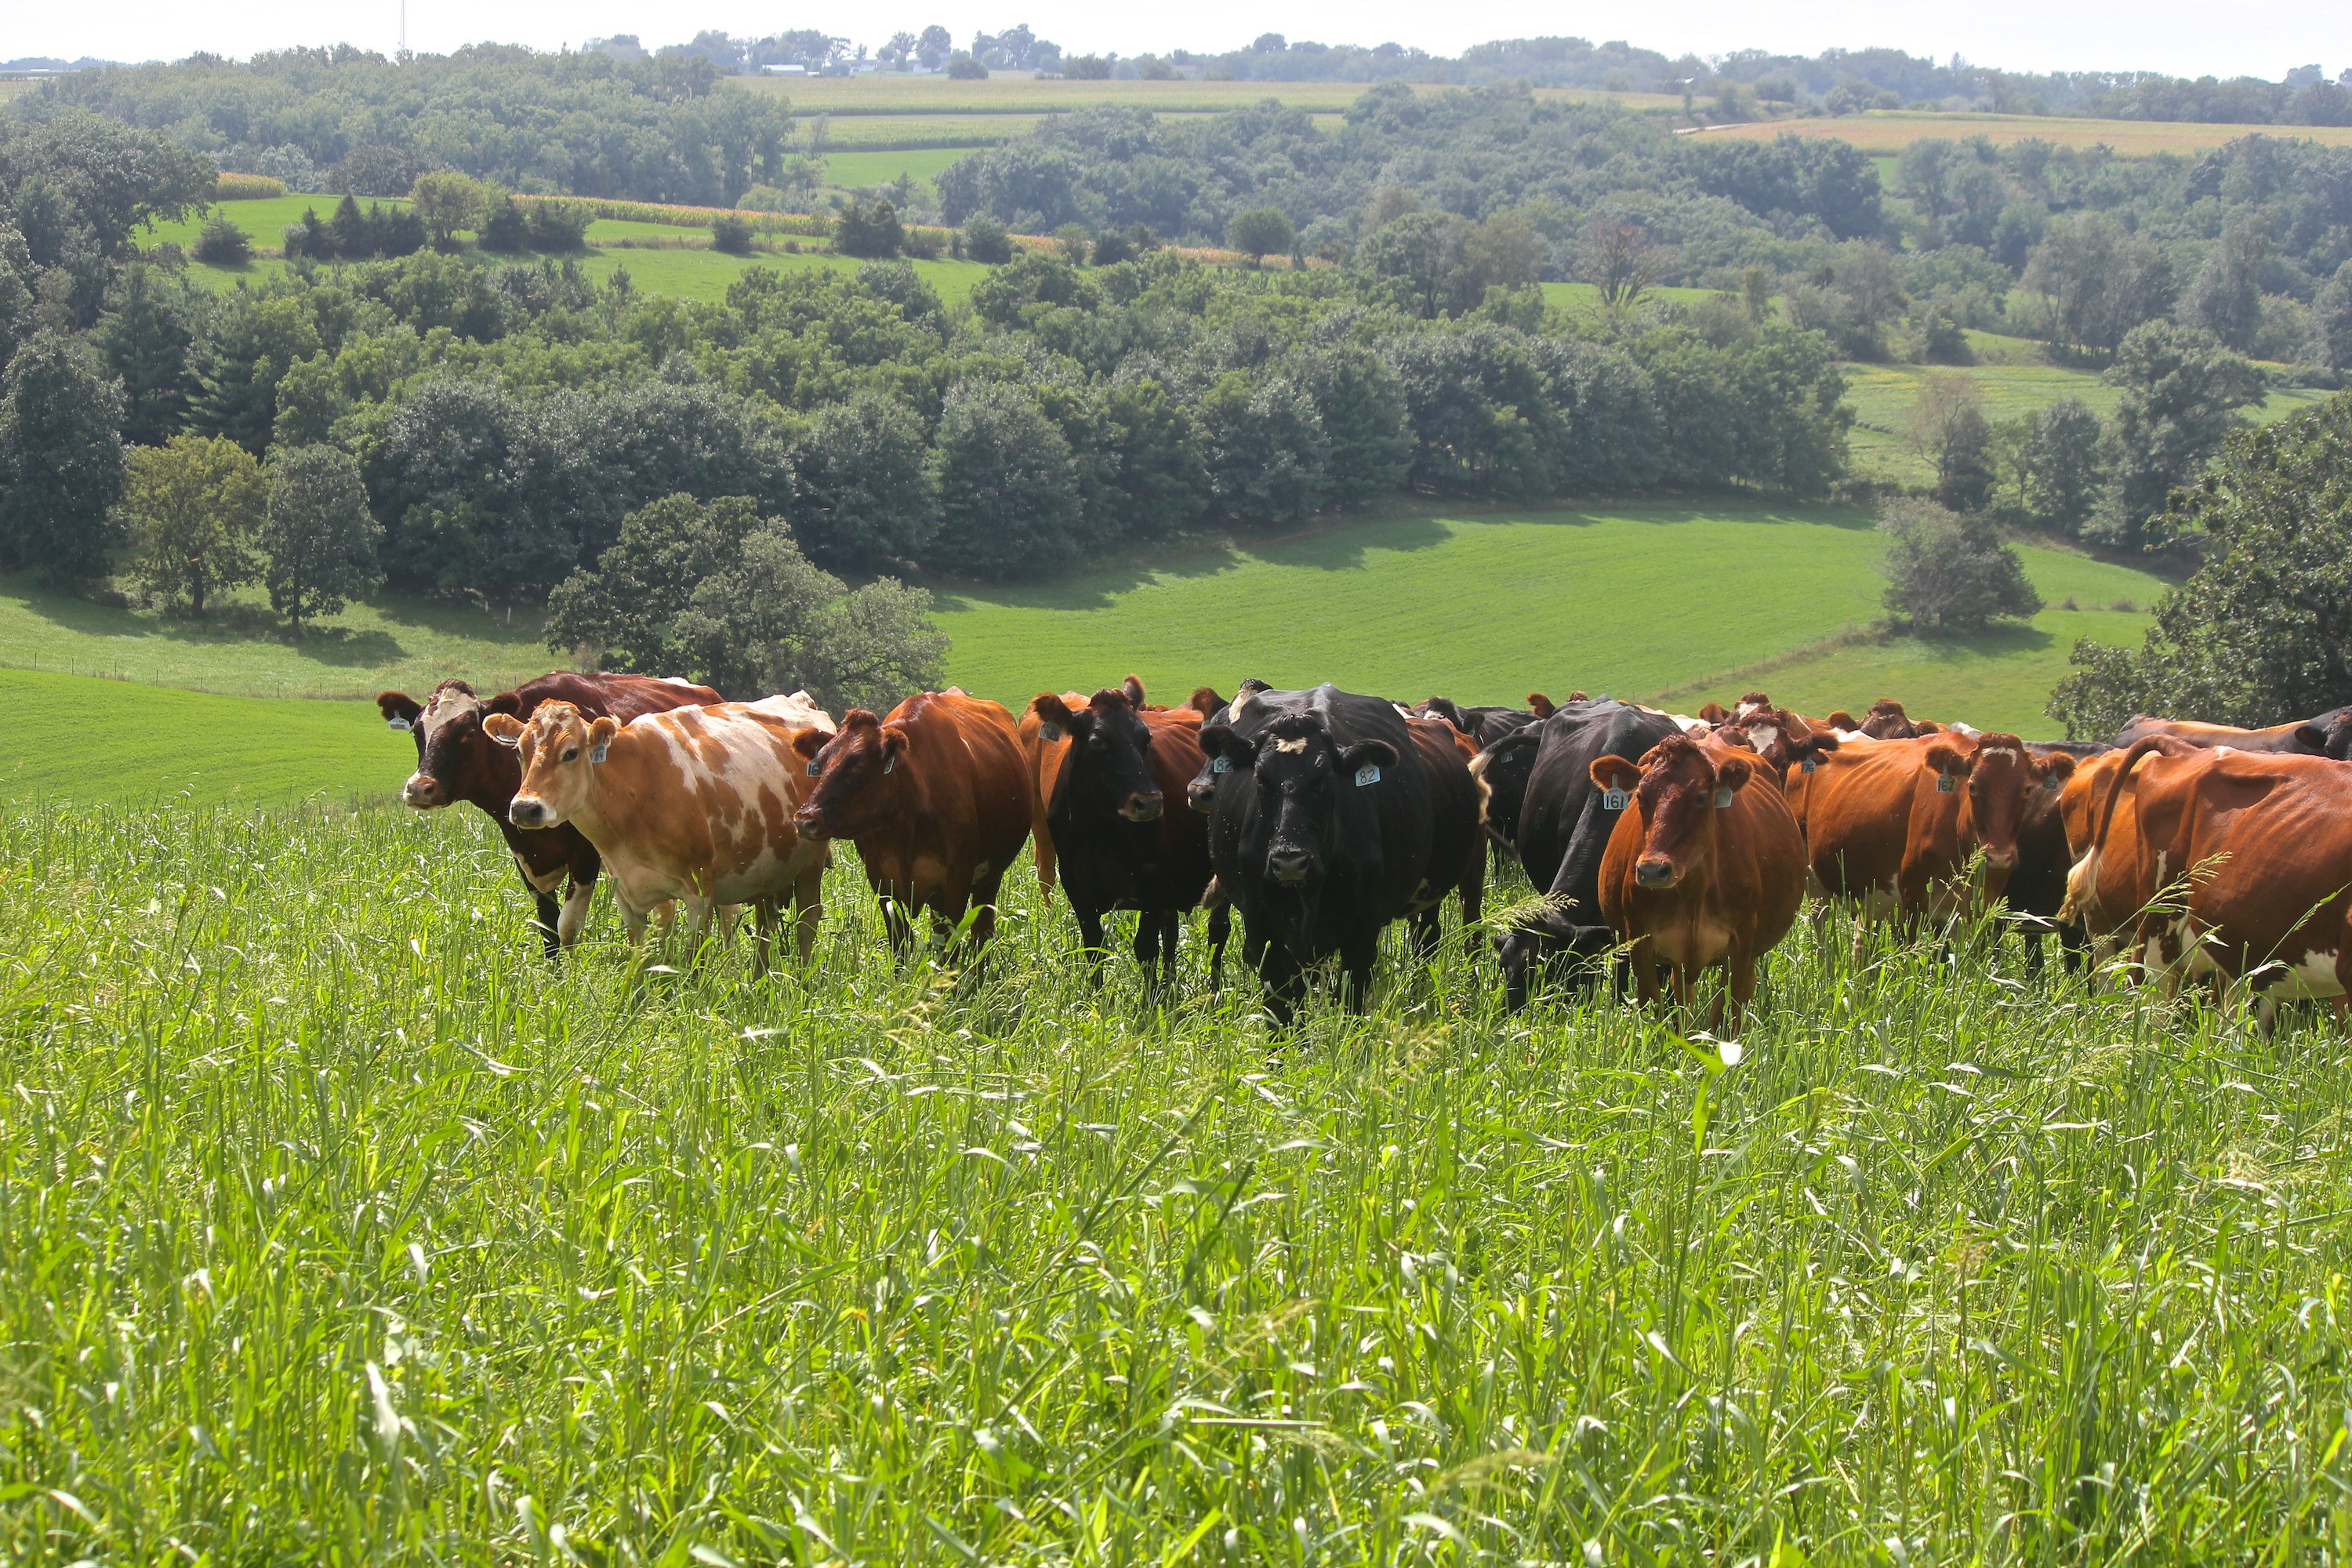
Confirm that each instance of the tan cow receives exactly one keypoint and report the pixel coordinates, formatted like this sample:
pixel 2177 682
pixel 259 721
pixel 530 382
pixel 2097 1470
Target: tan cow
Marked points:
pixel 695 804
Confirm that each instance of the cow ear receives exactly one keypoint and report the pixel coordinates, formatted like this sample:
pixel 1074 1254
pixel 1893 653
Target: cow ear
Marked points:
pixel 505 702
pixel 1133 687
pixel 809 742
pixel 600 735
pixel 1609 772
pixel 1541 706
pixel 1051 710
pixel 505 729
pixel 1367 753
pixel 1944 757
pixel 401 712
pixel 894 745
pixel 1219 743
pixel 1928 726
pixel 2058 766
pixel 1733 773
pixel 1205 701
pixel 2310 737
pixel 1714 713
pixel 1840 719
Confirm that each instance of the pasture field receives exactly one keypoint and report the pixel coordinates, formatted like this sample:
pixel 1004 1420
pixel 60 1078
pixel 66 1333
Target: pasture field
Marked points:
pixel 334 1223
pixel 859 171
pixel 1018 93
pixel 1637 600
pixel 69 738
pixel 1884 132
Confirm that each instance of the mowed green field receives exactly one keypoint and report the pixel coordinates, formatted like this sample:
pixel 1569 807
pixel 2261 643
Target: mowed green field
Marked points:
pixel 337 1225
pixel 72 738
pixel 863 170
pixel 1632 600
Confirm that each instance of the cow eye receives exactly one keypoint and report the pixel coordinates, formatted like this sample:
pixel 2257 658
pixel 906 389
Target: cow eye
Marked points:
pixel 569 752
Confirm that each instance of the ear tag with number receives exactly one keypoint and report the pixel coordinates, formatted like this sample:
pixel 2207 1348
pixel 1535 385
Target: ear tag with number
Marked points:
pixel 596 751
pixel 1370 774
pixel 1947 784
pixel 1810 766
pixel 1722 796
pixel 1221 763
pixel 1049 731
pixel 397 724
pixel 2050 781
pixel 889 761
pixel 1614 799
pixel 814 769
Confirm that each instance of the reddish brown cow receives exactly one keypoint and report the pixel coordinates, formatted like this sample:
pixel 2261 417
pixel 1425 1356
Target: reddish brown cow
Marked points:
pixel 1045 756
pixel 936 798
pixel 1708 867
pixel 455 761
pixel 2245 859
pixel 1892 824
pixel 2328 735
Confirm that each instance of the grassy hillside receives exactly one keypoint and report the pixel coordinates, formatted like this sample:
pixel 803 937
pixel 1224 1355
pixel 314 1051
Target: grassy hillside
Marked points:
pixel 69 737
pixel 1631 599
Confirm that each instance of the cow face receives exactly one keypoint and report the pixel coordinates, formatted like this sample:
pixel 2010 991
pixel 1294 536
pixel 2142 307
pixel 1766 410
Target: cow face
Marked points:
pixel 1298 770
pixel 1782 739
pixel 1888 721
pixel 859 780
pixel 2330 736
pixel 455 759
pixel 1108 773
pixel 2001 775
pixel 559 748
pixel 1680 790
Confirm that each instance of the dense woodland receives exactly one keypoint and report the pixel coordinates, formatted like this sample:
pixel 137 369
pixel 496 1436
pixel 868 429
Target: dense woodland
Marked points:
pixel 472 424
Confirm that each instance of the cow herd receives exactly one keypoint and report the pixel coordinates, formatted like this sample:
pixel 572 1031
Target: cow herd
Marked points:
pixel 1660 846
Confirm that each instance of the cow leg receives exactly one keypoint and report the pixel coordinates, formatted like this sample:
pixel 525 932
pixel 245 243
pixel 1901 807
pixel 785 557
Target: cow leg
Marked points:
pixel 1645 971
pixel 898 927
pixel 983 895
pixel 1090 939
pixel 766 914
pixel 1428 931
pixel 549 921
pixel 1221 931
pixel 808 908
pixel 1474 900
pixel 575 910
pixel 1357 957
pixel 1282 979
pixel 700 913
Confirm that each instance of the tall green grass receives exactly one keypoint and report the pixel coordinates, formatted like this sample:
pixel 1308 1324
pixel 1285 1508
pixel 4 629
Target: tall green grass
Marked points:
pixel 336 1226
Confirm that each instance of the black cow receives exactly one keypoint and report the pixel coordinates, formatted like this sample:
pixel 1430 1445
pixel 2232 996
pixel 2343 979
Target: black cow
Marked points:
pixel 1118 845
pixel 1505 772
pixel 2036 888
pixel 1331 815
pixel 1564 828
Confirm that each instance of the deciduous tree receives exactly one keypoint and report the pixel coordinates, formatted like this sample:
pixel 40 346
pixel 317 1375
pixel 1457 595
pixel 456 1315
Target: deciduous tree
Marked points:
pixel 318 537
pixel 193 508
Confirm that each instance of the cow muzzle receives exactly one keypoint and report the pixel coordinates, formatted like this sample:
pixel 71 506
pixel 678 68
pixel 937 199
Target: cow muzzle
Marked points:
pixel 423 792
pixel 2001 860
pixel 1142 807
pixel 529 811
pixel 809 822
pixel 1289 866
pixel 1655 872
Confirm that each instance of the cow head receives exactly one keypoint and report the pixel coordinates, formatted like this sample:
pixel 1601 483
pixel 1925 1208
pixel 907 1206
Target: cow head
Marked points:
pixel 1542 706
pixel 1755 702
pixel 1205 701
pixel 1715 713
pixel 1443 707
pixel 558 746
pixel 1679 789
pixel 1505 767
pixel 1782 739
pixel 1297 770
pixel 455 760
pixel 1999 776
pixel 1108 773
pixel 859 782
pixel 2329 735
pixel 1888 721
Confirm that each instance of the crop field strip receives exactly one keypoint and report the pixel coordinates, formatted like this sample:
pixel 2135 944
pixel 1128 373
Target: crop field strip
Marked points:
pixel 1884 133
pixel 334 1216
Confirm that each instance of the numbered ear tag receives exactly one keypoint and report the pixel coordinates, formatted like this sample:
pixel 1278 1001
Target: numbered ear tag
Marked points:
pixel 2051 782
pixel 889 761
pixel 397 724
pixel 1614 799
pixel 1370 774
pixel 1810 766
pixel 1049 731
pixel 814 769
pixel 1722 796
pixel 1945 783
pixel 1221 763
pixel 596 751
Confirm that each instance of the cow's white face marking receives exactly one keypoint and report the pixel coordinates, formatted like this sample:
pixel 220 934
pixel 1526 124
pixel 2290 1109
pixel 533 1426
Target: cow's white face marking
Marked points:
pixel 1761 736
pixel 1998 751
pixel 1294 748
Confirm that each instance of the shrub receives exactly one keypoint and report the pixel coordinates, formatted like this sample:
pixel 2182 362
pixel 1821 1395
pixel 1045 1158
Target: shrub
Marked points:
pixel 1950 572
pixel 1111 247
pixel 868 231
pixel 732 235
pixel 1261 232
pixel 309 238
pixel 984 239
pixel 559 226
pixel 963 68
pixel 222 244
pixel 504 228
pixel 1072 239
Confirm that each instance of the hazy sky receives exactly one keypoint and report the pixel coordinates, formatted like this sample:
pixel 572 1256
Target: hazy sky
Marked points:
pixel 2186 38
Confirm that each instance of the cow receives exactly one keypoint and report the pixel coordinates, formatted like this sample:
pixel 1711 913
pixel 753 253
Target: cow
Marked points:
pixel 1564 829
pixel 936 798
pixel 1330 817
pixel 1506 778
pixel 1120 847
pixel 2243 866
pixel 1045 755
pixel 1781 739
pixel 1483 724
pixel 1892 826
pixel 2036 889
pixel 455 762
pixel 693 805
pixel 2327 735
pixel 1706 868
pixel 1888 721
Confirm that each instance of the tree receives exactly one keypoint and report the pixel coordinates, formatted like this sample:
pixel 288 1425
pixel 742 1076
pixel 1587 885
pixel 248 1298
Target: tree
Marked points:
pixel 863 493
pixel 1260 232
pixel 145 338
pixel 868 231
pixel 193 507
pixel 1008 494
pixel 318 537
pixel 1264 444
pixel 2181 391
pixel 1947 424
pixel 353 237
pixel 446 201
pixel 311 398
pixel 60 461
pixel 2262 633
pixel 2331 321
pixel 221 243
pixel 1158 482
pixel 1620 261
pixel 933 47
pixel 2099 283
pixel 1360 402
pixel 984 239
pixel 503 227
pixel 731 235
pixel 2226 296
pixel 2065 465
pixel 1950 572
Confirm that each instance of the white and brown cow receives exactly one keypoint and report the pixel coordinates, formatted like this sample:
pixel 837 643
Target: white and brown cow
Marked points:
pixel 693 805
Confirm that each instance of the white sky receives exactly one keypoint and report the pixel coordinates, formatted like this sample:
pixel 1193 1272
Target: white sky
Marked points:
pixel 2185 38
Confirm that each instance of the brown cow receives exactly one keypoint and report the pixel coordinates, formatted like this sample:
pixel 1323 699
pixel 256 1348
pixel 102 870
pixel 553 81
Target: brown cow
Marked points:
pixel 1046 753
pixel 2328 735
pixel 1892 824
pixel 2245 859
pixel 1707 869
pixel 455 761
pixel 695 804
pixel 936 798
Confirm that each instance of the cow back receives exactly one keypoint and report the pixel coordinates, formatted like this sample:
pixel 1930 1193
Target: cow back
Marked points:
pixel 967 761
